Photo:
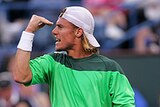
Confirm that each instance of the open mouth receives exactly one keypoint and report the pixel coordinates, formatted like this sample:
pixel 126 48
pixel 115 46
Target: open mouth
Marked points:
pixel 57 41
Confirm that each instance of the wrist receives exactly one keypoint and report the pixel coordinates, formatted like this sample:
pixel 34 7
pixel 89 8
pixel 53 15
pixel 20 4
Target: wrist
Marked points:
pixel 26 41
pixel 29 30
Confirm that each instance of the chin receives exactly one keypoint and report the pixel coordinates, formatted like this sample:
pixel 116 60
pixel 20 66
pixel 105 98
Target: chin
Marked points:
pixel 60 49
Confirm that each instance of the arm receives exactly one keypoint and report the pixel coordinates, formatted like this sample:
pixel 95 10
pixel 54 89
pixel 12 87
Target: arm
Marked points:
pixel 22 73
pixel 121 91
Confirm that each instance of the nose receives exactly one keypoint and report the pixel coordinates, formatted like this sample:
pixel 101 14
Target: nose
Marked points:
pixel 54 31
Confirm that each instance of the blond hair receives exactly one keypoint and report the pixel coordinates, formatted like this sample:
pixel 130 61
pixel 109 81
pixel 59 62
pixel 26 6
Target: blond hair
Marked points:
pixel 87 46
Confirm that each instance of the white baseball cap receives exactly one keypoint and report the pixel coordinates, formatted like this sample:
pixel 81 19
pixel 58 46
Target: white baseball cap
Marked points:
pixel 82 18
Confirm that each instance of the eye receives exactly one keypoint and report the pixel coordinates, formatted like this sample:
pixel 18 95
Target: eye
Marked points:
pixel 60 26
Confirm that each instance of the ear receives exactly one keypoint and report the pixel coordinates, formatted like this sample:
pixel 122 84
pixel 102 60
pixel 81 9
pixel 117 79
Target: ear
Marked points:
pixel 79 32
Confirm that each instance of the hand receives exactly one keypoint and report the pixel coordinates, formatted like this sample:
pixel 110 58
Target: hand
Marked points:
pixel 36 23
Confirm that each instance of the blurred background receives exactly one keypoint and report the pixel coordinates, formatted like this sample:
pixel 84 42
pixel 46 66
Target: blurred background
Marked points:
pixel 127 30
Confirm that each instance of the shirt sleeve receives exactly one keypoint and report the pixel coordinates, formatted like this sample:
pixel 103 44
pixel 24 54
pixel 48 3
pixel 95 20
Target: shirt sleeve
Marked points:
pixel 121 92
pixel 41 68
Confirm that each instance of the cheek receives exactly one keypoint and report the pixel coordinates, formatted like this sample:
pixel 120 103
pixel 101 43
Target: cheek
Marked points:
pixel 66 41
pixel 68 37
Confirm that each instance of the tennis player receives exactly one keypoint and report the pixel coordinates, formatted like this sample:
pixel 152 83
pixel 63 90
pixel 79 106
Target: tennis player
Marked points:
pixel 81 77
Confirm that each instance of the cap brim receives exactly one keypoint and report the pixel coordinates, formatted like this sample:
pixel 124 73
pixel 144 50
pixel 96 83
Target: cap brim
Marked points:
pixel 92 40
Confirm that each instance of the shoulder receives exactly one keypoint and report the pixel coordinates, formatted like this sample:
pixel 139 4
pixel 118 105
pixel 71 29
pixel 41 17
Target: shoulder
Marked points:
pixel 106 59
pixel 110 63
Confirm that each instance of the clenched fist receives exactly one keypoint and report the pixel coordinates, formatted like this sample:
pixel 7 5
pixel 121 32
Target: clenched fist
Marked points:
pixel 37 22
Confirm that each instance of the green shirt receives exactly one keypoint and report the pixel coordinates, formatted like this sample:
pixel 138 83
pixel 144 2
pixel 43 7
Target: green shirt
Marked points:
pixel 94 81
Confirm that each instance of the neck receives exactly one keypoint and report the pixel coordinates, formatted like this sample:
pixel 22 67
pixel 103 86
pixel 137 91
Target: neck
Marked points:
pixel 78 52
pixel 79 55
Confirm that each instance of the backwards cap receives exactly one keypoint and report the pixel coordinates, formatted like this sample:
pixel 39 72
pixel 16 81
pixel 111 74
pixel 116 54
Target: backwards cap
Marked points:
pixel 82 18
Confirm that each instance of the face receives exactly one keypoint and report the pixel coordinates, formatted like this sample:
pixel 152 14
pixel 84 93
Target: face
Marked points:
pixel 22 104
pixel 5 93
pixel 65 35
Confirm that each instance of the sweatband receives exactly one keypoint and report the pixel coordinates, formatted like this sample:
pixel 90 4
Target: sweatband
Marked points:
pixel 26 41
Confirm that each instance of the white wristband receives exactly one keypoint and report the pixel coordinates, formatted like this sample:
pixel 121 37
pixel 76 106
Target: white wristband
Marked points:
pixel 26 41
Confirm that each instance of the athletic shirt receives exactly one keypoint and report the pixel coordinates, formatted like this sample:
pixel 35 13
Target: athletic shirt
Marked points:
pixel 94 81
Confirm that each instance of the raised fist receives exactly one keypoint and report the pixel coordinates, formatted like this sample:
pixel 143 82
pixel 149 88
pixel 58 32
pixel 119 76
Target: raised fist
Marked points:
pixel 37 22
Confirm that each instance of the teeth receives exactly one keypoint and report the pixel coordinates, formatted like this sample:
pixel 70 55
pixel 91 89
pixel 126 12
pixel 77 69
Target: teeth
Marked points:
pixel 57 41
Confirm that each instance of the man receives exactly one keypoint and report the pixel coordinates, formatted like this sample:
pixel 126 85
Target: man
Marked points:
pixel 80 78
pixel 8 96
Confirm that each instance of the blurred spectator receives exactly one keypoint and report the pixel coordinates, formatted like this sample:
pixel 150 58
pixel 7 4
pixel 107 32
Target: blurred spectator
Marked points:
pixel 147 36
pixel 23 103
pixel 33 95
pixel 10 31
pixel 4 63
pixel 12 15
pixel 116 25
pixel 151 10
pixel 12 21
pixel 146 41
pixel 8 96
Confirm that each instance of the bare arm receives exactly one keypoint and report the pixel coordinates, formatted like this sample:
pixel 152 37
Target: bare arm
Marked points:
pixel 22 73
